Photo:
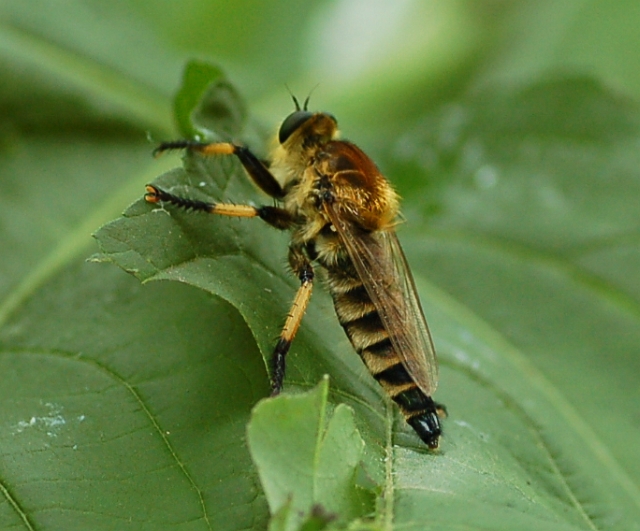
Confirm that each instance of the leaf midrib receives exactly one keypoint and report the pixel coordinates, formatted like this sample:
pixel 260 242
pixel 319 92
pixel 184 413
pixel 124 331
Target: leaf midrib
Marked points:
pixel 136 101
pixel 131 389
pixel 77 242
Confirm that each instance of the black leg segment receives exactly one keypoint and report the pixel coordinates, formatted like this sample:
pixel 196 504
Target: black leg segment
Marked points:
pixel 256 169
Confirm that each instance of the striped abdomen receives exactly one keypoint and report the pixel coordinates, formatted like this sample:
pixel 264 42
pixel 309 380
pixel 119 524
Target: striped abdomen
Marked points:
pixel 360 319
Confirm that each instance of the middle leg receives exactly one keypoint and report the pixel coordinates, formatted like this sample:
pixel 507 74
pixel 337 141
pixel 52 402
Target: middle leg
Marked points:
pixel 304 270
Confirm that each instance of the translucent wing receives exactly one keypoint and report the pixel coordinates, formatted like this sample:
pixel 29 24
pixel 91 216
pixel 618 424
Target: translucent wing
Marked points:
pixel 382 267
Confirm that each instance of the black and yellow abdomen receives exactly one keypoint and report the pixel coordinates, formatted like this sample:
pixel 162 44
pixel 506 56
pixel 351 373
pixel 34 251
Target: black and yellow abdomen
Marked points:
pixel 371 340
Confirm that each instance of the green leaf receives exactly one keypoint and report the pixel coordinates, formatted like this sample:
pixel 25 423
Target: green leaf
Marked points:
pixel 204 85
pixel 94 433
pixel 543 213
pixel 522 232
pixel 517 441
pixel 92 413
pixel 306 459
pixel 66 53
pixel 317 520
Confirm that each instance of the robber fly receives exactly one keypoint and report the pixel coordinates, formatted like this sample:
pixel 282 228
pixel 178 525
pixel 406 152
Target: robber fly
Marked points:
pixel 341 212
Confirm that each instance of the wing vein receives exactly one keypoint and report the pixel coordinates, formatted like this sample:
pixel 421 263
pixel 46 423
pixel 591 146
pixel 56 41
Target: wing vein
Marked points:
pixel 381 264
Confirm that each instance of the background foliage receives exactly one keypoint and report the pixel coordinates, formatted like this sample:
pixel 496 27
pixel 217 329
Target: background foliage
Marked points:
pixel 511 130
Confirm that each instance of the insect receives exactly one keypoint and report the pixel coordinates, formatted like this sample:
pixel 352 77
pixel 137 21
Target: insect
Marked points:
pixel 341 212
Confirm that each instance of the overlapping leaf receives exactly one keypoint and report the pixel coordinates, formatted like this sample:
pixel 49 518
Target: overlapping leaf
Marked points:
pixel 125 406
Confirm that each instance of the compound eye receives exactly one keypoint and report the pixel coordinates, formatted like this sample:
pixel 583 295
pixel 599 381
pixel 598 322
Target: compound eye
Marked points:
pixel 292 123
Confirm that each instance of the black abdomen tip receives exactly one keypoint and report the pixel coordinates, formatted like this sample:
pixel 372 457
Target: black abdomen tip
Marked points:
pixel 421 413
pixel 427 426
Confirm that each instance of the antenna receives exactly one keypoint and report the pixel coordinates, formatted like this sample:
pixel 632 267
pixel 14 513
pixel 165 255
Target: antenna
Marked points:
pixel 295 100
pixel 306 102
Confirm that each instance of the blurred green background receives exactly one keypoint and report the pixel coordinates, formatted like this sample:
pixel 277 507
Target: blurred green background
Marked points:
pixel 510 127
pixel 361 55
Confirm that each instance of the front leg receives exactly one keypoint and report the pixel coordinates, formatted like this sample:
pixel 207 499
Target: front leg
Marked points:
pixel 256 169
pixel 304 270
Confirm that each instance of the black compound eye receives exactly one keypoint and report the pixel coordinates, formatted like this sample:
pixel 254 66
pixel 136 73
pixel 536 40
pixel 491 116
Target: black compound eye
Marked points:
pixel 291 123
